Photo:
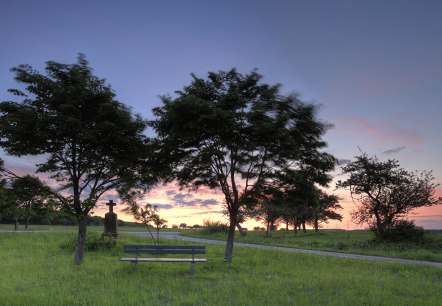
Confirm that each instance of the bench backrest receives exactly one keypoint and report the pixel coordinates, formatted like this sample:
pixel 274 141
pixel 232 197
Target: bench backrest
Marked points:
pixel 164 249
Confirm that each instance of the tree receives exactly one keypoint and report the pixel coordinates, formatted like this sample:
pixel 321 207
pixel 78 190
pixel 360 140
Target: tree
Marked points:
pixel 268 212
pixel 323 208
pixel 386 192
pixel 230 132
pixel 92 143
pixel 5 202
pixel 298 199
pixel 146 214
pixel 30 196
pixel 158 222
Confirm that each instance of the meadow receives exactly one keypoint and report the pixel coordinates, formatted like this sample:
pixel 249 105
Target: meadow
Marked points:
pixel 37 268
pixel 355 242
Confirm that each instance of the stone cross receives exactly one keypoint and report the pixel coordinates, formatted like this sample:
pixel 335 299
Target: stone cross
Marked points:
pixel 111 221
pixel 111 205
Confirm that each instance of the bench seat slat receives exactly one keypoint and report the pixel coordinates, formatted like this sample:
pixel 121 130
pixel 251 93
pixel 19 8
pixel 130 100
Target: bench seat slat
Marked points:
pixel 144 259
pixel 171 247
pixel 139 251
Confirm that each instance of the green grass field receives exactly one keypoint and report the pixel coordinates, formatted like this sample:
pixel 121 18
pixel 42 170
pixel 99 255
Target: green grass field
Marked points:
pixel 35 270
pixel 356 242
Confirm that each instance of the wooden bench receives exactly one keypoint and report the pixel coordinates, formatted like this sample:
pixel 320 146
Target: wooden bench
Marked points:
pixel 164 250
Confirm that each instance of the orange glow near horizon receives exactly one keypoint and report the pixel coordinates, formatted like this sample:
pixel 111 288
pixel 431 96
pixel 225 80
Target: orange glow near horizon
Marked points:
pixel 192 211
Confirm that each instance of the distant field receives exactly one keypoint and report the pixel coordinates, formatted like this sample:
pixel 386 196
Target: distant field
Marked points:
pixel 356 242
pixel 35 270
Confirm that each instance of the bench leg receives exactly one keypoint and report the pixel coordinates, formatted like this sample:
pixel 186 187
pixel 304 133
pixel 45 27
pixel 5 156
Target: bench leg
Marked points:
pixel 133 264
pixel 192 267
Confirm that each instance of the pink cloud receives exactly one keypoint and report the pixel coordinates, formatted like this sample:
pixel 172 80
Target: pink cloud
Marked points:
pixel 387 134
pixel 370 81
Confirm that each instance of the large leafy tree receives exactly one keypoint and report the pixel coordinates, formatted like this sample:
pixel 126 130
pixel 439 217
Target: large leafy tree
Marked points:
pixel 91 142
pixel 386 192
pixel 231 132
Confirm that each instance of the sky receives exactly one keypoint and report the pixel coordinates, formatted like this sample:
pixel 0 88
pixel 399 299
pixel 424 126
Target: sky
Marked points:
pixel 374 67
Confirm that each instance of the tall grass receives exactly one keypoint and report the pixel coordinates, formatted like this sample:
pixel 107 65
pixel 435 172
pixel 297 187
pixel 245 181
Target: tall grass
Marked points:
pixel 36 270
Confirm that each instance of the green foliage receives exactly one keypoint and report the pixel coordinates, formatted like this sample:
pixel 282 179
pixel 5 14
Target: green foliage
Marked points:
pixel 214 227
pixel 401 230
pixel 94 242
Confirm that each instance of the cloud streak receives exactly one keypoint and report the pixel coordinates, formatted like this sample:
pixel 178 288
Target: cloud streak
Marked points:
pixel 180 199
pixel 393 151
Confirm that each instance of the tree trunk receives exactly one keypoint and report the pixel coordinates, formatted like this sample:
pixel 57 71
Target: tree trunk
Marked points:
pixel 16 224
pixel 27 224
pixel 287 226
pixel 79 250
pixel 379 224
pixel 316 225
pixel 303 227
pixel 228 255
pixel 295 228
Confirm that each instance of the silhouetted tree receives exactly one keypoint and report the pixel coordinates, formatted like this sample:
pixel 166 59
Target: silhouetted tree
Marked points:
pixel 386 192
pixel 6 204
pixel 230 132
pixel 323 208
pixel 91 142
pixel 269 212
pixel 30 196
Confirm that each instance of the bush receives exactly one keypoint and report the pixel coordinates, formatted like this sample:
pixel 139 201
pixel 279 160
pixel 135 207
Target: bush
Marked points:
pixel 94 242
pixel 402 230
pixel 213 227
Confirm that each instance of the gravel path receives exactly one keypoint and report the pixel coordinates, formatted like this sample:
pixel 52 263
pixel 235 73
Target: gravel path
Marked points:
pixel 177 236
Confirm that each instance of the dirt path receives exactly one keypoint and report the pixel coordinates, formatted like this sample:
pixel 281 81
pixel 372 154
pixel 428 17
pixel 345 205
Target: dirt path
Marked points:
pixel 177 236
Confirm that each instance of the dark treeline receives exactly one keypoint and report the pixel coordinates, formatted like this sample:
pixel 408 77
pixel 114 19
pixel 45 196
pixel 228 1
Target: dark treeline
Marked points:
pixel 58 218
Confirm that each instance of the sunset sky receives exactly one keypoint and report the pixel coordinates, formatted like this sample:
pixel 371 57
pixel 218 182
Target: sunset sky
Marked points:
pixel 375 67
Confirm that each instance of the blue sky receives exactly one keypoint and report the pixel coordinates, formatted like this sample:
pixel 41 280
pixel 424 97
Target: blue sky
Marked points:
pixel 374 66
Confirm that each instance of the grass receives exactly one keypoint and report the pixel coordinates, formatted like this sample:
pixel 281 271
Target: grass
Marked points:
pixel 356 242
pixel 36 270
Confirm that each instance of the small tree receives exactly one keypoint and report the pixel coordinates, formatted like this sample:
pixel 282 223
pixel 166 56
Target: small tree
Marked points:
pixel 299 198
pixel 269 212
pixel 6 203
pixel 30 197
pixel 386 192
pixel 145 215
pixel 158 222
pixel 323 209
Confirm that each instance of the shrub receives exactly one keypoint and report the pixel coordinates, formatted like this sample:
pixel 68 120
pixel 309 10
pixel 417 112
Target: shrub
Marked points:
pixel 213 227
pixel 94 242
pixel 401 230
